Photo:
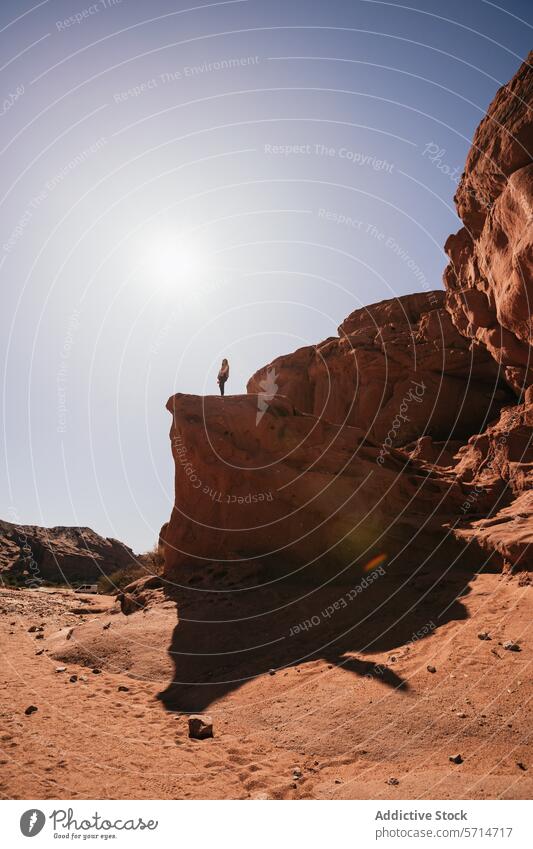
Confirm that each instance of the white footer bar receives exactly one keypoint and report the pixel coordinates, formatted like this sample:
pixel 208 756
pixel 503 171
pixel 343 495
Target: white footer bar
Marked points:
pixel 258 824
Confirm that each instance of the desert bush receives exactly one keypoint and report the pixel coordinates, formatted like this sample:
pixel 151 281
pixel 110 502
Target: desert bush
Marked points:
pixel 153 560
pixel 149 563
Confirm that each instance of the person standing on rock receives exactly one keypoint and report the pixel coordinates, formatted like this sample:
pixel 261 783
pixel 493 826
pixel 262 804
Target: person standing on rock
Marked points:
pixel 223 375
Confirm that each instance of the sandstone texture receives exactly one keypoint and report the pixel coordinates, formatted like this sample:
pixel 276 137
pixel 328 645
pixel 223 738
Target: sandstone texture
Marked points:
pixel 297 489
pixel 489 289
pixel 362 376
pixel 489 280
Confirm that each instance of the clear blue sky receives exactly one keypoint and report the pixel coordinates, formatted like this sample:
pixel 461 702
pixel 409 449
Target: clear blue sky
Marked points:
pixel 182 184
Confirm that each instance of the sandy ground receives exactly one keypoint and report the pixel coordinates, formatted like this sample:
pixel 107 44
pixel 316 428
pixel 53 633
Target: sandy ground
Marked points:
pixel 311 730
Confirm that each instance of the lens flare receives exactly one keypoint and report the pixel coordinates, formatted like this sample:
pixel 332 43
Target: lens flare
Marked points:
pixel 378 560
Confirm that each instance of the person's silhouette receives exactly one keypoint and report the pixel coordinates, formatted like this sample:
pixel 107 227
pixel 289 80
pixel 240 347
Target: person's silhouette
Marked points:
pixel 223 375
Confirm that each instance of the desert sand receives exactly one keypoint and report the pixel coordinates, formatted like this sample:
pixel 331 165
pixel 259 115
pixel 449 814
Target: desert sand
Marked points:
pixel 313 730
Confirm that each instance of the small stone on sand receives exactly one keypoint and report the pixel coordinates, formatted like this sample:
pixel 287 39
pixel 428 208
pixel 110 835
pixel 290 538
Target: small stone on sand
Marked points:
pixel 200 727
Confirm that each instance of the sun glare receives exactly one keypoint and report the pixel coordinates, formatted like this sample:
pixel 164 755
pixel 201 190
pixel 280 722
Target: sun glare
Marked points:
pixel 174 260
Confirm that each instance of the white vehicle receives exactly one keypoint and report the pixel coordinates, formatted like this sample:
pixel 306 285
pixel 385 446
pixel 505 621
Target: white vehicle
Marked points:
pixel 87 588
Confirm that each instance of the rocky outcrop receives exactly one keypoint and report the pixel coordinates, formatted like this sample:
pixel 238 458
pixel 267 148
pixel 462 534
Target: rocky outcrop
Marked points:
pixel 489 284
pixel 297 490
pixel 30 554
pixel 499 464
pixel 489 280
pixel 405 437
pixel 363 376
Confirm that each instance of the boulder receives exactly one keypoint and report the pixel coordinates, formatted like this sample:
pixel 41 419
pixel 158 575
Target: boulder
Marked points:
pixel 200 727
pixel 139 594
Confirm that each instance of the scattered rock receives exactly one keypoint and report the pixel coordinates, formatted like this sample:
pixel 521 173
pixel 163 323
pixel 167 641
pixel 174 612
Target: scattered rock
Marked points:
pixel 521 766
pixel 106 626
pixel 431 668
pixel 461 715
pixel 73 679
pixel 484 635
pixel 456 759
pixel 510 645
pixel 123 689
pixel 40 651
pixel 61 668
pixel 200 727
pixel 271 671
pixel 33 628
pixel 96 671
pixel 69 634
pixel 30 709
pixel 39 636
pixel 338 781
pixel 297 772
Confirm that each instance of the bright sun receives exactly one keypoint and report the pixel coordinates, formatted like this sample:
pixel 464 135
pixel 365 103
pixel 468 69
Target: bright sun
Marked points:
pixel 174 260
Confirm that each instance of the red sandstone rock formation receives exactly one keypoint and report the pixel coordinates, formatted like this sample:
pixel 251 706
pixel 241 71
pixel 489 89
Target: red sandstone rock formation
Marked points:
pixel 325 474
pixel 489 284
pixel 362 376
pixel 499 465
pixel 297 489
pixel 489 280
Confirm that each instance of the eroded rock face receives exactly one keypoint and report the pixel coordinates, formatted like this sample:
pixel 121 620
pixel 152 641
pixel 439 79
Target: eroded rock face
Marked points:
pixel 489 284
pixel 499 463
pixel 363 376
pixel 296 489
pixel 489 279
pixel 31 553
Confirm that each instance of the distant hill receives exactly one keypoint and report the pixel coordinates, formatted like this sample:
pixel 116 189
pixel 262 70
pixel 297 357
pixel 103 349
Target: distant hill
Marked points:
pixel 30 554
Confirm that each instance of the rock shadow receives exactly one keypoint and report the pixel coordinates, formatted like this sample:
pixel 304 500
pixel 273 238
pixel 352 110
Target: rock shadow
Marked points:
pixel 231 630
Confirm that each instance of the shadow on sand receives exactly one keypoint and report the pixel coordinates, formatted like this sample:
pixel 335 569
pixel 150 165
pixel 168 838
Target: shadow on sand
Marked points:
pixel 230 631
